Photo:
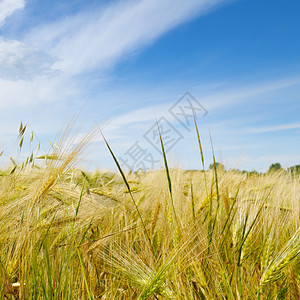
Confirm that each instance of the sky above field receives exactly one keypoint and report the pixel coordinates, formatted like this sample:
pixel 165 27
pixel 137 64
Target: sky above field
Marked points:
pixel 141 63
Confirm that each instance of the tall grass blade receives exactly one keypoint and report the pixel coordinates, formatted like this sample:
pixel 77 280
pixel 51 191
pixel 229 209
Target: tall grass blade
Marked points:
pixel 168 178
pixel 129 190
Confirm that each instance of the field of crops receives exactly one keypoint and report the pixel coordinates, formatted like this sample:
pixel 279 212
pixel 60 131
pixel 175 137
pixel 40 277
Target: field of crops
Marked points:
pixel 166 234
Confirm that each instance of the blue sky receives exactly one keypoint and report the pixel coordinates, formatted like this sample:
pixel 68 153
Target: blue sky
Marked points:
pixel 131 61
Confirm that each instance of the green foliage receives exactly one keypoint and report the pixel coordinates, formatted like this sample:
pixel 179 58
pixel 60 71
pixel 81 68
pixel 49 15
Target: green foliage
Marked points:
pixel 294 169
pixel 275 167
pixel 218 166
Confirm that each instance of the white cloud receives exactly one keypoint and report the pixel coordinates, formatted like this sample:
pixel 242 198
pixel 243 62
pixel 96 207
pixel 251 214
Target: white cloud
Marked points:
pixel 21 61
pixel 274 128
pixel 224 97
pixel 98 39
pixel 23 93
pixel 145 114
pixel 232 96
pixel 81 43
pixel 8 7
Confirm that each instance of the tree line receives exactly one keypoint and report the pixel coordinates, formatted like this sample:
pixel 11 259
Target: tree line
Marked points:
pixel 275 167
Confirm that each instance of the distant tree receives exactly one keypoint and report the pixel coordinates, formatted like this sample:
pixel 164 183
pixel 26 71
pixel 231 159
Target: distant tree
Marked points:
pixel 275 167
pixel 218 166
pixel 252 172
pixel 211 166
pixel 294 169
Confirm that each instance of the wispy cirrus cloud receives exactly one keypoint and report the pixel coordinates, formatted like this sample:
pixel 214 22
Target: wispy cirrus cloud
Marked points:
pixel 47 58
pixel 83 42
pixel 232 96
pixel 99 39
pixel 23 93
pixel 8 7
pixel 38 69
pixel 280 127
pixel 222 97
pixel 20 61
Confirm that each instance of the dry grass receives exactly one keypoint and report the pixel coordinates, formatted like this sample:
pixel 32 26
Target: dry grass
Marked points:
pixel 66 234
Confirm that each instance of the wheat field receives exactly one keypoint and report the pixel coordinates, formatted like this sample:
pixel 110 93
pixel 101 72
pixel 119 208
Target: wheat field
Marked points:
pixel 165 234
